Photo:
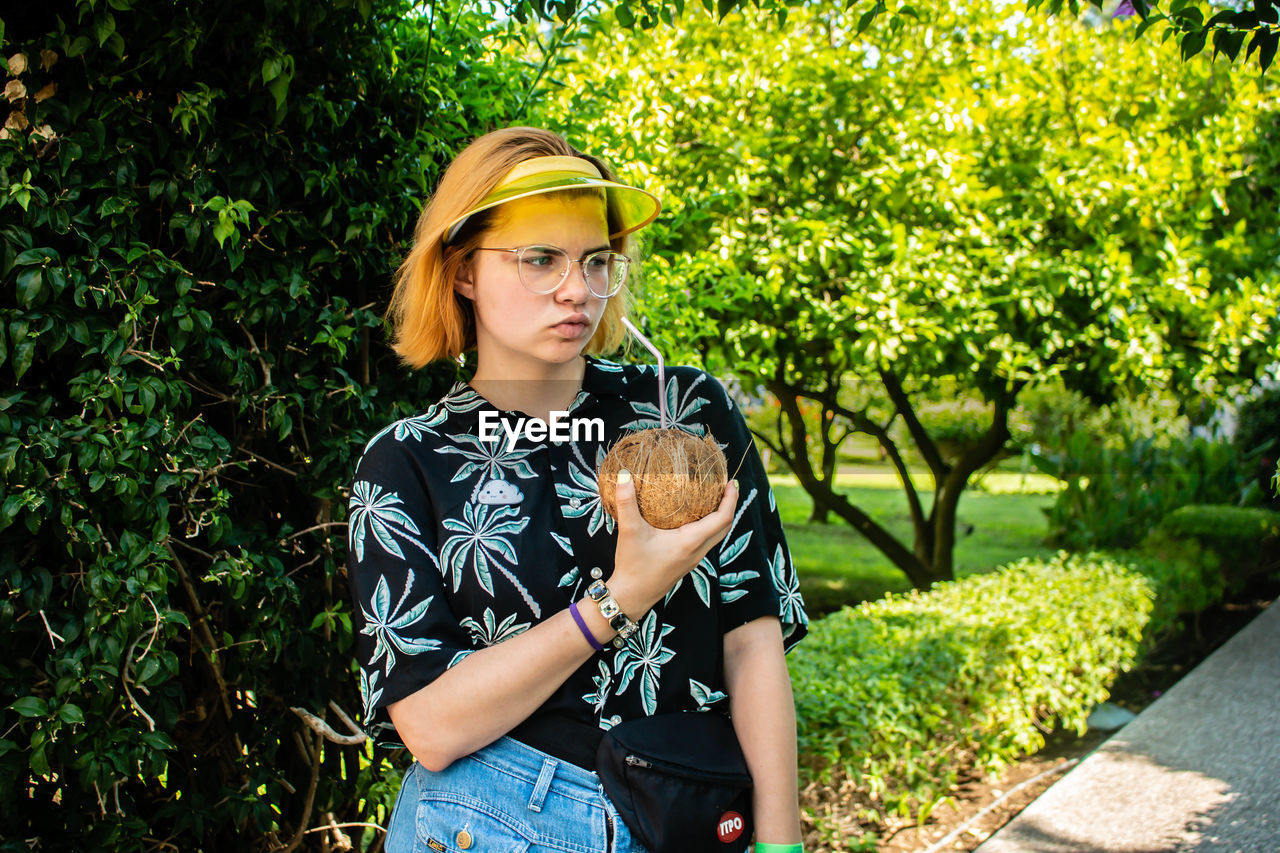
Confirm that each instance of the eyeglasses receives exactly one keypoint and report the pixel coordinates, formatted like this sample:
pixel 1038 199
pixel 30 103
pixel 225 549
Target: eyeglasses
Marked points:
pixel 542 269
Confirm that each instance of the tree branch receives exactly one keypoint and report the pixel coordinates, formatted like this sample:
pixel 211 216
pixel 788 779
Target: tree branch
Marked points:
pixel 208 645
pixel 909 563
pixel 323 729
pixel 927 448
pixel 310 801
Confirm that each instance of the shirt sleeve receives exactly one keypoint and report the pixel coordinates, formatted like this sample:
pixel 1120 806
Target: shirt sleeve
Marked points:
pixel 406 633
pixel 757 576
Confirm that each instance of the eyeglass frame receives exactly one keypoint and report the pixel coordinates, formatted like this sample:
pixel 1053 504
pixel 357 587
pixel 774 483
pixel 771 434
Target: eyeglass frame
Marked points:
pixel 519 251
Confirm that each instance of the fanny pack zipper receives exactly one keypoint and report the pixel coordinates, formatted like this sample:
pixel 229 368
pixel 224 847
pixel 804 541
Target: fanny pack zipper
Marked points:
pixel 676 770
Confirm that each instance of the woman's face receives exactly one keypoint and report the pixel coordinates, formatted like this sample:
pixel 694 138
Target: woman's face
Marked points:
pixel 516 329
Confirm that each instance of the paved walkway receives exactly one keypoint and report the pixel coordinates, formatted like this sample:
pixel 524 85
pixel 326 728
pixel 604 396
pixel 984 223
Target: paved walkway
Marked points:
pixel 1198 770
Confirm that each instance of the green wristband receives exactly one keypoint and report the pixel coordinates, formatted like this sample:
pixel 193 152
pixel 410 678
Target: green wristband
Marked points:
pixel 778 848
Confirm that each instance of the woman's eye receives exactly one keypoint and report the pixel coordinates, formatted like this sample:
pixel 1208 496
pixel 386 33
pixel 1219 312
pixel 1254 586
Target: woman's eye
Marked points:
pixel 597 262
pixel 539 259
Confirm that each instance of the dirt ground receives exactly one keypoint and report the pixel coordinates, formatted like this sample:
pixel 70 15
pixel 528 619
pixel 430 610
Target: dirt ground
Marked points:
pixel 984 805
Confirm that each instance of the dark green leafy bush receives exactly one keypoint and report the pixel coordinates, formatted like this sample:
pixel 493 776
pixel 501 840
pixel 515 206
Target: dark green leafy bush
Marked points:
pixel 1114 493
pixel 200 208
pixel 1226 526
pixel 1236 541
pixel 1258 438
pixel 896 697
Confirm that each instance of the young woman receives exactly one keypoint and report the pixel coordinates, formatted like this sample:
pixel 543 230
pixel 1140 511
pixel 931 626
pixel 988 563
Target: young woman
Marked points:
pixel 479 549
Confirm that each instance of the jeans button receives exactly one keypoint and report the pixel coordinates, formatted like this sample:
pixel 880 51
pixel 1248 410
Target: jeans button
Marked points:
pixel 464 840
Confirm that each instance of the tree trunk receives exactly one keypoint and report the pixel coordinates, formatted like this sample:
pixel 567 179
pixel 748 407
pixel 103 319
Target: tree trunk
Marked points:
pixel 932 557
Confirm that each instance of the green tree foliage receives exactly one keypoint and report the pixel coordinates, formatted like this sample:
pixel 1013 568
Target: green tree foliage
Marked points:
pixel 1258 435
pixel 1251 25
pixel 199 214
pixel 1227 27
pixel 981 199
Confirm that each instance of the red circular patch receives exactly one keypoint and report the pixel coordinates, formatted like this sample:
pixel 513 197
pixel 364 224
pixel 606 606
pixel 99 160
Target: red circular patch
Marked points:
pixel 730 827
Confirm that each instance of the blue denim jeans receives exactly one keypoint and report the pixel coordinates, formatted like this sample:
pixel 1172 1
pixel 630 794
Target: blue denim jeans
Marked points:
pixel 506 798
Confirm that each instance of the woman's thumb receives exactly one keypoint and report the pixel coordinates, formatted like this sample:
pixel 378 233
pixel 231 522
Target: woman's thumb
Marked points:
pixel 624 499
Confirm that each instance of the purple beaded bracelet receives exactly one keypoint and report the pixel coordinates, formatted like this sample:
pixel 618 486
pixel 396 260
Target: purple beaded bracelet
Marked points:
pixel 582 626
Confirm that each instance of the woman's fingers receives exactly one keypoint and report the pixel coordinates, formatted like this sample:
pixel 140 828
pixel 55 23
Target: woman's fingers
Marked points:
pixel 682 547
pixel 626 510
pixel 710 529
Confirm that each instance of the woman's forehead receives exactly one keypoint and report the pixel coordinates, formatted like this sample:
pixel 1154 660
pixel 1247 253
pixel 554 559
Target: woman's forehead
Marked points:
pixel 552 218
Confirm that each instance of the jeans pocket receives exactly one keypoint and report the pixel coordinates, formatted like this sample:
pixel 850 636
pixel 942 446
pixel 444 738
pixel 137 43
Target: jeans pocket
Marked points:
pixel 456 823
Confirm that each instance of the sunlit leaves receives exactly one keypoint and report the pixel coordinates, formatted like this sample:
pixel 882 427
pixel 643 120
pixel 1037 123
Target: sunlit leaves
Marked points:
pixel 988 197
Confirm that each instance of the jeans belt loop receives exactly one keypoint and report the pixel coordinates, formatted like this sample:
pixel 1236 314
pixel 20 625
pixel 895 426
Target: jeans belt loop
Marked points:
pixel 543 784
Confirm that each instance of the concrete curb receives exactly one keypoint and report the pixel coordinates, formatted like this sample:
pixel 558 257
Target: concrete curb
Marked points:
pixel 1197 770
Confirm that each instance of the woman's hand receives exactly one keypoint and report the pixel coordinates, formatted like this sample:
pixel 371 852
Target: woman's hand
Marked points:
pixel 489 692
pixel 649 561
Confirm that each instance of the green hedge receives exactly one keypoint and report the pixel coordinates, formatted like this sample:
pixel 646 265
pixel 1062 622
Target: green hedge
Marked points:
pixel 200 211
pixel 896 697
pixel 1228 527
pixel 1202 550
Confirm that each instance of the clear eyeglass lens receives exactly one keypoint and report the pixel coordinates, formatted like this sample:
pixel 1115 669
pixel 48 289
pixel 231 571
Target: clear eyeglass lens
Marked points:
pixel 544 268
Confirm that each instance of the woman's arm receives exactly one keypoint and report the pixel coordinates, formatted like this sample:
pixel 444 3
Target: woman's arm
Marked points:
pixel 495 689
pixel 764 718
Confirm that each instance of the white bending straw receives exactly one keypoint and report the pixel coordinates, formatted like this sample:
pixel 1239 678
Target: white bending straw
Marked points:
pixel 662 374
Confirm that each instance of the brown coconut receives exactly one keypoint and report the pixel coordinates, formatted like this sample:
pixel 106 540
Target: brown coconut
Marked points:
pixel 679 477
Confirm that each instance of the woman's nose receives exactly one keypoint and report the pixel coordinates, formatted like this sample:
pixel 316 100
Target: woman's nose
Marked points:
pixel 574 287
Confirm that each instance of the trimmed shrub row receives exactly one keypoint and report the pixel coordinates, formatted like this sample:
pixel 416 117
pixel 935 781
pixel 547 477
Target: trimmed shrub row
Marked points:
pixel 896 697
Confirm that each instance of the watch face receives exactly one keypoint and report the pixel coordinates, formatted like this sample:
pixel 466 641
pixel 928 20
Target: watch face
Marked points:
pixel 609 608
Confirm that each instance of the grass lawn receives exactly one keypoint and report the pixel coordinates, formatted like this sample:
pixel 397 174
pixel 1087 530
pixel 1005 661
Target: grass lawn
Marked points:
pixel 838 566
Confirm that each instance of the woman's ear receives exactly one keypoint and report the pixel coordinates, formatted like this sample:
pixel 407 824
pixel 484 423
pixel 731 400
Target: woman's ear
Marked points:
pixel 463 282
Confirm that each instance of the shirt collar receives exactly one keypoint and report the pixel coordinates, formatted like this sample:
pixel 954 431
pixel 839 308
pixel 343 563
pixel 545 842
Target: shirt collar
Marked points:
pixel 604 377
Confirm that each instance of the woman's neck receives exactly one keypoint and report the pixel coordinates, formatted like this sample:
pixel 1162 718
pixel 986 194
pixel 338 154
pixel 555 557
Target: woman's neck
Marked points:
pixel 535 390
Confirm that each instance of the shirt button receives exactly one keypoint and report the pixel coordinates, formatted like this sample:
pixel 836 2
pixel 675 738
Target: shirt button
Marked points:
pixel 575 503
pixel 464 840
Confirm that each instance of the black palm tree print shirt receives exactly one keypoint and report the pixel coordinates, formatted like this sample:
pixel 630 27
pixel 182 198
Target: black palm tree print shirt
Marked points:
pixel 459 540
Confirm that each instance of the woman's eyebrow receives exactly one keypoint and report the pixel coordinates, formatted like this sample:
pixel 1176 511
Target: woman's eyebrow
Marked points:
pixel 605 248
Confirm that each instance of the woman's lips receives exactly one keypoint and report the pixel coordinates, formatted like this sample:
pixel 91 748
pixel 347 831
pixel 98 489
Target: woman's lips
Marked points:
pixel 572 327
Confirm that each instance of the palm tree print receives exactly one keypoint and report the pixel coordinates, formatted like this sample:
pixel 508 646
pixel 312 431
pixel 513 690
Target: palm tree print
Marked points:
pixel 601 681
pixel 790 604
pixel 480 543
pixel 700 578
pixel 680 408
pixel 729 552
pixel 488 457
pixel 385 626
pixel 582 486
pixel 370 692
pixel 489 634
pixel 460 399
pixel 704 695
pixel 643 656
pixel 371 510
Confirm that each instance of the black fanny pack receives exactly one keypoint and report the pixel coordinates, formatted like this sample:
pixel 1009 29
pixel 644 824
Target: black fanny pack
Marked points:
pixel 679 781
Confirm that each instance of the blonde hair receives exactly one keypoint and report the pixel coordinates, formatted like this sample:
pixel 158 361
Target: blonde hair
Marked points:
pixel 429 320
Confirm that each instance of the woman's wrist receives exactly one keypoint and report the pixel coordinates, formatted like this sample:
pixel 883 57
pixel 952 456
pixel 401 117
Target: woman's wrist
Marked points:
pixel 587 633
pixel 634 601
